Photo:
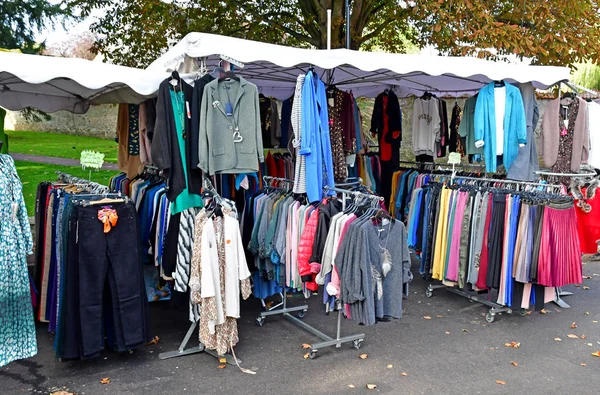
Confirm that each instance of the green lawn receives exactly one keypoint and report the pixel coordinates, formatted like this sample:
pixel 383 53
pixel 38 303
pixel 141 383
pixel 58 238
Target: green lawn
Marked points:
pixel 32 174
pixel 59 145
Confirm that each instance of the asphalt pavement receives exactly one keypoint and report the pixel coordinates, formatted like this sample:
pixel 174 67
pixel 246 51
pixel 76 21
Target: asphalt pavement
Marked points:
pixel 442 345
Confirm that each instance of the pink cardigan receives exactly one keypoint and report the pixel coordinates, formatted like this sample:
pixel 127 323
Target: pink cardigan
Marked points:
pixel 550 136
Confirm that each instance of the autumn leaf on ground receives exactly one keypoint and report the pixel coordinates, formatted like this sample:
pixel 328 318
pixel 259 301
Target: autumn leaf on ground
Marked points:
pixel 512 344
pixel 587 277
pixel 501 382
pixel 62 393
pixel 439 316
pixel 305 346
pixel 105 380
pixel 595 321
pixel 465 330
pixel 586 288
pixel 543 311
pixel 558 339
pixel 447 333
pixel 596 354
pixel 513 363
pixel 573 325
pixel 583 364
pixel 426 317
pixel 371 386
pixel 222 366
pixel 403 374
pixel 306 355
pixel 583 336
pixel 363 356
pixel 528 312
pixel 155 340
pixel 572 336
pixel 351 386
pixel 390 366
pixel 586 313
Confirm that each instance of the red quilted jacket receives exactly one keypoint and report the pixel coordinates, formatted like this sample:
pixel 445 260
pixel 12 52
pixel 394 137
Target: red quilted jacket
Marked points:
pixel 307 270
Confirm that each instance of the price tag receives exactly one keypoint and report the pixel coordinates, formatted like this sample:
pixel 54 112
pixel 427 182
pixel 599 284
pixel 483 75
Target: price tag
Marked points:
pixel 91 159
pixel 454 158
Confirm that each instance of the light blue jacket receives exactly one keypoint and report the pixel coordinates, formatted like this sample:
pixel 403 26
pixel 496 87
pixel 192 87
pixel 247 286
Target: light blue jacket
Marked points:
pixel 315 144
pixel 515 126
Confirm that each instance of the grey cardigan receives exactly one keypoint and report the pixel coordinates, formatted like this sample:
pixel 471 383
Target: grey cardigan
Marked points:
pixel 217 151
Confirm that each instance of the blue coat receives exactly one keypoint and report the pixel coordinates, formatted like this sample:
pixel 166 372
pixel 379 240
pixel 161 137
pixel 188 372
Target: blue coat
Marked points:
pixel 515 126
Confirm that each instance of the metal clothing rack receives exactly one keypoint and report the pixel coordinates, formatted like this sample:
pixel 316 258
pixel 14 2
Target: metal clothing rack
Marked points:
pixel 495 308
pixel 327 341
pixel 92 186
pixel 182 350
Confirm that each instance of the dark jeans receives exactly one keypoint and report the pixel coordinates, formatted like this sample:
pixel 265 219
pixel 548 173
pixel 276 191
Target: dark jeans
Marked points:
pixel 112 258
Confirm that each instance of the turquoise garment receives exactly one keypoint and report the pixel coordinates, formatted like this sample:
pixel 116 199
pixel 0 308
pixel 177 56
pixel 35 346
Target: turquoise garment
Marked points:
pixel 17 329
pixel 185 200
pixel 515 126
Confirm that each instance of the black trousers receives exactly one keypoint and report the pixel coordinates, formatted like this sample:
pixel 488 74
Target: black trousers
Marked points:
pixel 111 258
pixel 496 242
pixel 385 184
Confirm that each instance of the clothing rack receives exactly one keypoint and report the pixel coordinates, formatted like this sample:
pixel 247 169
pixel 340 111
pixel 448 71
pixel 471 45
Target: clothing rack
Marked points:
pixel 496 308
pixel 90 185
pixel 182 350
pixel 328 341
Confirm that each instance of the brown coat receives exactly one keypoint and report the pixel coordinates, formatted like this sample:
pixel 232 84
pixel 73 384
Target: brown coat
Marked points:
pixel 550 136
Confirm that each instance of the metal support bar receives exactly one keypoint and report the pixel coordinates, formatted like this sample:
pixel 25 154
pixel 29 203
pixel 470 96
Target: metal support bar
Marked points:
pixel 558 292
pixel 182 351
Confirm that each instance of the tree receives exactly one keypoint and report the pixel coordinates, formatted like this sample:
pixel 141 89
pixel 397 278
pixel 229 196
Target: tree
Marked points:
pixel 135 32
pixel 22 19
pixel 75 46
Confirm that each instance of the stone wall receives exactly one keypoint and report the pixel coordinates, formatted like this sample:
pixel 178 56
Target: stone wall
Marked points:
pixel 99 121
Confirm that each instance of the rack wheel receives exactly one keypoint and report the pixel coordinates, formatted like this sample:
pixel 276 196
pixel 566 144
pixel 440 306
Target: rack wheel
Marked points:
pixel 302 314
pixel 357 343
pixel 260 321
pixel 523 312
pixel 428 293
pixel 312 354
pixel 489 317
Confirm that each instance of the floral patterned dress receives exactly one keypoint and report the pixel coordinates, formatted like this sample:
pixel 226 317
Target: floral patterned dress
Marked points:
pixel 17 329
pixel 226 334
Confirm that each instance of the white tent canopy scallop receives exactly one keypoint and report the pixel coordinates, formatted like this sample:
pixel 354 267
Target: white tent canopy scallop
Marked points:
pixel 51 83
pixel 274 68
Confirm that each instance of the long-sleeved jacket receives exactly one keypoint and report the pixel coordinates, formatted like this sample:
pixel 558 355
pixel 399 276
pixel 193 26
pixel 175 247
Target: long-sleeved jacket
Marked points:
pixel 515 126
pixel 326 211
pixel 197 96
pixel 386 123
pixel 230 144
pixel 165 145
pixel 306 269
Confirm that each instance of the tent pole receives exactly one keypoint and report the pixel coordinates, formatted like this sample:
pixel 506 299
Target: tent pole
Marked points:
pixel 329 28
pixel 347 24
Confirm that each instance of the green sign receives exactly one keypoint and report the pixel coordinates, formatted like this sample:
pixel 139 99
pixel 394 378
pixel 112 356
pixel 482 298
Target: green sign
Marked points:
pixel 454 158
pixel 91 159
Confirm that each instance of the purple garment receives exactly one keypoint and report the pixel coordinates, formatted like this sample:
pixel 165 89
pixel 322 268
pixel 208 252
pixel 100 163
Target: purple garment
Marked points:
pixel 454 259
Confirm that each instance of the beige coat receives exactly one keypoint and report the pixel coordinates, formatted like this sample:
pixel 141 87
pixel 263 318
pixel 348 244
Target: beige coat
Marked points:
pixel 550 136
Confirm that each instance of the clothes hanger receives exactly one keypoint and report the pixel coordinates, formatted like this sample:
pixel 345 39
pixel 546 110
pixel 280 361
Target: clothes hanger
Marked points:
pixel 499 84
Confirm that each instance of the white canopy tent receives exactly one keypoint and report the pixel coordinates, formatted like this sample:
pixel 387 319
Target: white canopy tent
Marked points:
pixel 51 84
pixel 274 68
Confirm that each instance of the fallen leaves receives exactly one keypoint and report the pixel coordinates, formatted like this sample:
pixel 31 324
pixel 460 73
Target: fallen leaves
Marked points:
pixel 572 336
pixel 596 354
pixel 573 325
pixel 586 288
pixel 363 356
pixel 586 313
pixel 583 336
pixel 558 339
pixel 595 321
pixel 583 364
pixel 105 380
pixel 447 333
pixel 306 346
pixel 543 311
pixel 371 386
pixel 62 393
pixel 390 366
pixel 154 341
pixel 404 374
pixel 306 355
pixel 587 277
pixel 501 382
pixel 512 345
pixel 351 386
pixel 222 366
pixel 426 317
pixel 513 363
pixel 439 316
pixel 465 330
